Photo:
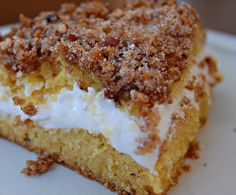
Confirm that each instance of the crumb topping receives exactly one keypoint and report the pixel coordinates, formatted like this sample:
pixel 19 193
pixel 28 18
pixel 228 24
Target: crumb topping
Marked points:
pixel 38 167
pixel 148 144
pixel 193 151
pixel 185 102
pixel 211 66
pixel 142 46
pixel 27 122
pixel 197 87
pixel 187 168
pixel 18 101
pixel 209 74
pixel 27 108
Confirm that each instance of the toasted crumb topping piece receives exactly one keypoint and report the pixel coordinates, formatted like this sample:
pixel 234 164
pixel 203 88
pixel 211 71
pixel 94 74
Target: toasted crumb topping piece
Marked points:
pixel 193 151
pixel 187 168
pixel 18 101
pixel 38 167
pixel 141 46
pixel 211 65
pixel 27 122
pixel 27 108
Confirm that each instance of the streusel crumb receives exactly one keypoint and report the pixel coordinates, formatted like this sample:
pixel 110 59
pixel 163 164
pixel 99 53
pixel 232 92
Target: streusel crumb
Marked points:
pixel 193 151
pixel 38 167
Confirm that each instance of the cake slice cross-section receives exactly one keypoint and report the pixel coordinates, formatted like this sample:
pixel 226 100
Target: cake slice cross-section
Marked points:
pixel 117 94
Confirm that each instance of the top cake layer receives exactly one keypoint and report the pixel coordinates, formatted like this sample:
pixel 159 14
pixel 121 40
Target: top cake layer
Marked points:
pixel 143 46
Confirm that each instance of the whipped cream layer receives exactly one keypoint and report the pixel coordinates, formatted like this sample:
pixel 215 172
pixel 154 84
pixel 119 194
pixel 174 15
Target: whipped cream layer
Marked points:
pixel 91 111
pixel 86 110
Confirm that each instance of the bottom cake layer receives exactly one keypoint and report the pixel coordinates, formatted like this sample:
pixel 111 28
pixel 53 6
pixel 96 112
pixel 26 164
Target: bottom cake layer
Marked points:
pixel 94 158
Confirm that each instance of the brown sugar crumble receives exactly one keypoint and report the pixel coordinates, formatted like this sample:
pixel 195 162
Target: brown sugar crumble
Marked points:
pixel 143 46
pixel 18 101
pixel 38 167
pixel 27 122
pixel 193 151
pixel 196 87
pixel 211 65
pixel 187 168
pixel 27 108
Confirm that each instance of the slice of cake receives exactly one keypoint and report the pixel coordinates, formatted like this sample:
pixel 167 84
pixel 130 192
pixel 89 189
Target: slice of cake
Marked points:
pixel 115 94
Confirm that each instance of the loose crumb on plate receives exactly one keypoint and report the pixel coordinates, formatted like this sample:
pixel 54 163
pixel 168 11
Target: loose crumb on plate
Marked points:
pixel 205 164
pixel 38 167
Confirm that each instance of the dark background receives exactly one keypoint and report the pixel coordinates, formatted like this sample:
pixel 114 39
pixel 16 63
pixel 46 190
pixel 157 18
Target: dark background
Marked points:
pixel 216 14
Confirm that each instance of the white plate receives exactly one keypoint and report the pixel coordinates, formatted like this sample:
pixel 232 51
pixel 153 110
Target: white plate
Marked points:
pixel 218 147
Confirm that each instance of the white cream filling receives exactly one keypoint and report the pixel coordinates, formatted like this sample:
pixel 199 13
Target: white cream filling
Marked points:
pixel 97 114
pixel 87 110
pixel 92 111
